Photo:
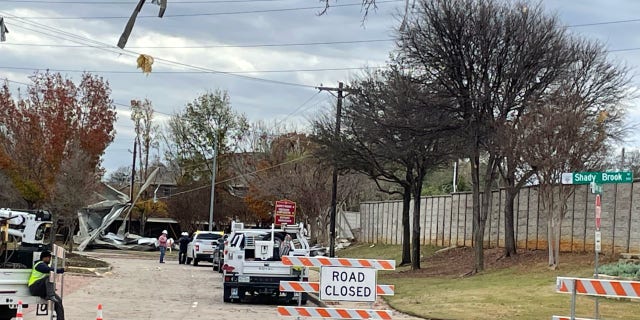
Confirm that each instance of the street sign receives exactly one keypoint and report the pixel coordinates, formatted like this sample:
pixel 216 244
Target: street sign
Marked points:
pixel 598 241
pixel 597 177
pixel 281 219
pixel 286 207
pixel 285 212
pixel 348 284
pixel 598 211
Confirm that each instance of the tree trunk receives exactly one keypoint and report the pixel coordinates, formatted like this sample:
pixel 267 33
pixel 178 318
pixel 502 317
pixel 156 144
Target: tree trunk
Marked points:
pixel 69 240
pixel 406 228
pixel 509 228
pixel 415 240
pixel 478 226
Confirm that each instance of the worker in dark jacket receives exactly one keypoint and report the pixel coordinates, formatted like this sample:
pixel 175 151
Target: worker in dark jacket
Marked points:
pixel 40 286
pixel 184 242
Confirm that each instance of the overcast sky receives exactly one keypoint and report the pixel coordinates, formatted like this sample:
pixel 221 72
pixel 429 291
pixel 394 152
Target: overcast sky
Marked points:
pixel 221 35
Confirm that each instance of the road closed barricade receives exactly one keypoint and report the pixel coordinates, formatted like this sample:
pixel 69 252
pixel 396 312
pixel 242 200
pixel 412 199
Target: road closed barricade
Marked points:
pixel 595 288
pixel 340 280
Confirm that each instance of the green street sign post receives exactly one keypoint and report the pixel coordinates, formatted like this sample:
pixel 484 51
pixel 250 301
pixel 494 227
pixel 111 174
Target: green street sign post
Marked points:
pixel 597 177
pixel 596 180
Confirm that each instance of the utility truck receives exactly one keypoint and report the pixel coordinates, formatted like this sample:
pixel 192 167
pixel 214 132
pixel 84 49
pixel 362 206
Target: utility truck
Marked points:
pixel 23 236
pixel 252 264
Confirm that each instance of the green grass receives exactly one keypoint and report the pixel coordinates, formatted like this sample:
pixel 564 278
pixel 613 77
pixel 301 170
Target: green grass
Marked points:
pixel 522 292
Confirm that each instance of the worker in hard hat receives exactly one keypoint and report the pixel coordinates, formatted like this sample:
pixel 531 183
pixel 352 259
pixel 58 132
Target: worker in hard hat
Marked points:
pixel 184 242
pixel 40 286
pixel 162 244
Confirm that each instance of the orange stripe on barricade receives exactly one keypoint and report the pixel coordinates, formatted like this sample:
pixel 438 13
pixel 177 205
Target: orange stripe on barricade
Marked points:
pixel 597 285
pixel 303 312
pixel 617 287
pixel 343 313
pixel 338 262
pixel 324 313
pixel 384 314
pixel 284 312
pixel 636 287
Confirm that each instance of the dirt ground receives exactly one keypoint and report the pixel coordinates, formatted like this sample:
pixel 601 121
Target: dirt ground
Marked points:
pixel 456 262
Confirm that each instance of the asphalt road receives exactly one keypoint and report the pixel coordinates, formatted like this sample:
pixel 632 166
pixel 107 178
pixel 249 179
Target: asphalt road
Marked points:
pixel 139 287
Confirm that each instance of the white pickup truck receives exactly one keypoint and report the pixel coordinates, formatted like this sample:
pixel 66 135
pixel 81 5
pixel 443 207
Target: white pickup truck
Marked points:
pixel 202 245
pixel 252 261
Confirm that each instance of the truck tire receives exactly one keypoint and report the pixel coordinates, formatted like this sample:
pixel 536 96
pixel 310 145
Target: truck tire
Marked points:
pixel 6 313
pixel 195 262
pixel 188 260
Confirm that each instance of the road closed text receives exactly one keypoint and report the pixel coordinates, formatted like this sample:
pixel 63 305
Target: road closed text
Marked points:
pixel 348 284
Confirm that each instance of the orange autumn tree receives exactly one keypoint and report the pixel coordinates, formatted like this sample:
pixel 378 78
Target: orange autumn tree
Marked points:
pixel 45 127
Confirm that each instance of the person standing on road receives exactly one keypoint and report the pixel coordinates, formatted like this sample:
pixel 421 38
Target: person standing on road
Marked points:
pixel 184 242
pixel 162 243
pixel 40 286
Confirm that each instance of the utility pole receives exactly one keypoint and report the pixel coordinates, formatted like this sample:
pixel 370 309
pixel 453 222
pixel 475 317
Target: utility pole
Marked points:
pixel 133 178
pixel 334 187
pixel 213 186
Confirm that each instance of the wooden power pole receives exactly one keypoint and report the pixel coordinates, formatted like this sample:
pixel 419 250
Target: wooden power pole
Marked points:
pixel 334 188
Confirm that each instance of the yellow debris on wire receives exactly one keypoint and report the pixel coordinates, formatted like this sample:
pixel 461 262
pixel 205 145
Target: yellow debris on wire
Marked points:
pixel 144 62
pixel 602 116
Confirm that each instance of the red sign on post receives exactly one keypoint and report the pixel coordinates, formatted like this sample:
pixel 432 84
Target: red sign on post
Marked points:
pixel 598 211
pixel 285 212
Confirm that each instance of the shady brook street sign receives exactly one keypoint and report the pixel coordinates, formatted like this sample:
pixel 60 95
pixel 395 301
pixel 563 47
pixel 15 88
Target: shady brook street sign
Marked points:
pixel 597 177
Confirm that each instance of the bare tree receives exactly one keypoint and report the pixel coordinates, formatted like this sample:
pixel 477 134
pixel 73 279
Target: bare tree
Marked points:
pixel 392 134
pixel 75 183
pixel 488 58
pixel 575 126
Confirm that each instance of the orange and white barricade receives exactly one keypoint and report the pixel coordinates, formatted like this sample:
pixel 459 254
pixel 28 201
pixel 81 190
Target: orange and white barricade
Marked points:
pixel 314 287
pixel 596 288
pixel 339 262
pixel 333 313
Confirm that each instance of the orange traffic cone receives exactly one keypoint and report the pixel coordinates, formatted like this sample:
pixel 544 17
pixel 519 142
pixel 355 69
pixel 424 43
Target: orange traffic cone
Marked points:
pixel 19 315
pixel 99 316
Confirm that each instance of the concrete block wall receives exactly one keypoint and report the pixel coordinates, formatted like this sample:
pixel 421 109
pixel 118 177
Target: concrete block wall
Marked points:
pixel 448 220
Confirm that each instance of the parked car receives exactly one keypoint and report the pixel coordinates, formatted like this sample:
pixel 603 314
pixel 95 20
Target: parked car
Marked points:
pixel 218 254
pixel 202 245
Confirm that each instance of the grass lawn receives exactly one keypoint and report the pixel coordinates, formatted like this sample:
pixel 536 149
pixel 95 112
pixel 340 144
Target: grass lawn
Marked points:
pixel 522 290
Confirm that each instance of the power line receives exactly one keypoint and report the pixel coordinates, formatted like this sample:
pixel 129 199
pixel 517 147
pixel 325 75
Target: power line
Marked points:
pixel 84 40
pixel 602 23
pixel 192 72
pixel 129 2
pixel 238 176
pixel 213 45
pixel 205 14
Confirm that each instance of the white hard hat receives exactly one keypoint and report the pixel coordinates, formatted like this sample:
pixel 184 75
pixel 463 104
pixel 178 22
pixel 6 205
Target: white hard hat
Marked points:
pixel 185 233
pixel 164 231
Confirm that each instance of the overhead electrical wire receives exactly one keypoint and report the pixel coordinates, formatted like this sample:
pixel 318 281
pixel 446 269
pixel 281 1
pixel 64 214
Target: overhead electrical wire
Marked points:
pixel 236 177
pixel 189 72
pixel 129 2
pixel 100 45
pixel 203 14
pixel 205 46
